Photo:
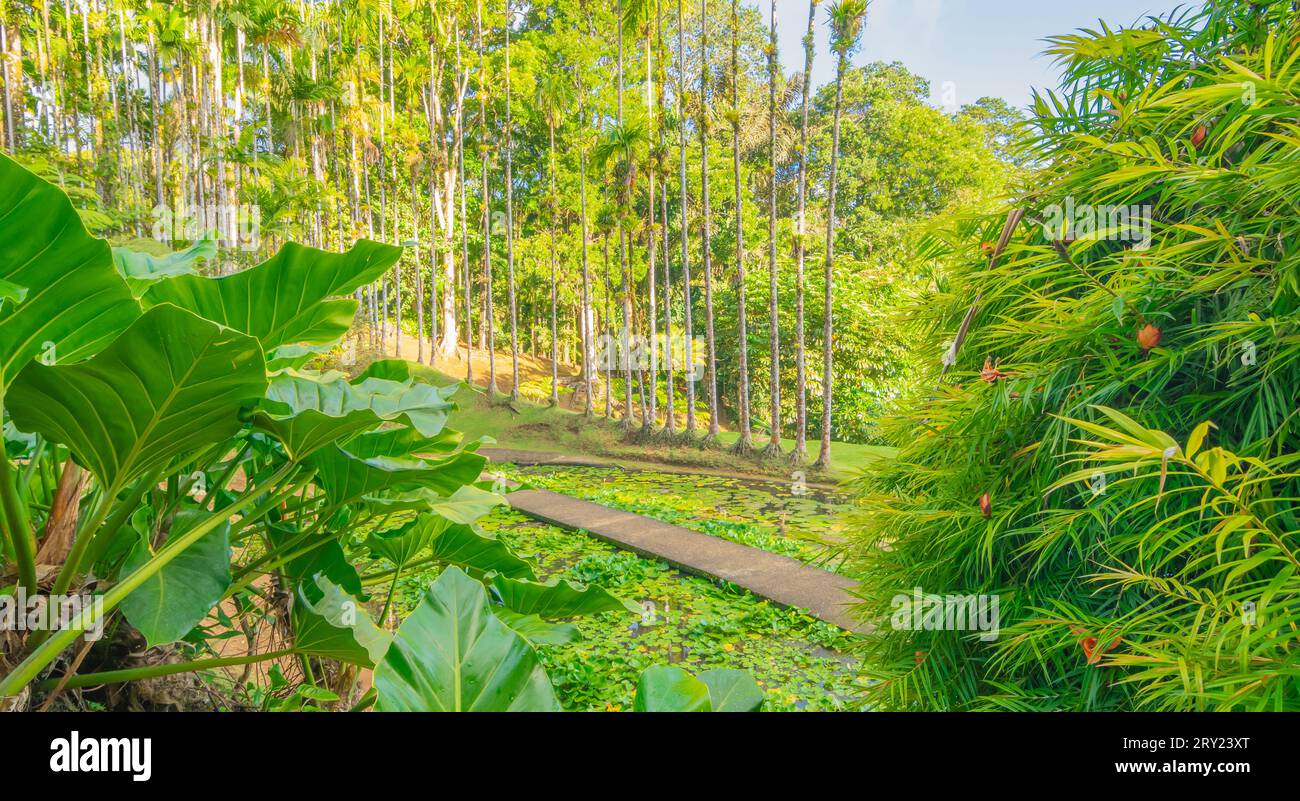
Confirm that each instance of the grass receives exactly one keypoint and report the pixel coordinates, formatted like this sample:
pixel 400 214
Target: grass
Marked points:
pixel 529 426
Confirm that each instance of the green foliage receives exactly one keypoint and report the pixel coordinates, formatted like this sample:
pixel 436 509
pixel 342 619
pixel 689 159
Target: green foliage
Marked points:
pixel 1112 453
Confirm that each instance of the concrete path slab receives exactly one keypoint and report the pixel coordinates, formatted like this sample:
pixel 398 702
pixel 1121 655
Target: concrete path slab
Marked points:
pixel 780 579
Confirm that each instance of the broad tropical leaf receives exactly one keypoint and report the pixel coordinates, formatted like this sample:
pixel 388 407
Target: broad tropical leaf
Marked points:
pixel 337 627
pixel 292 298
pixel 346 478
pixel 538 631
pixel 76 302
pixel 177 598
pixel 453 655
pixel 666 688
pixel 143 270
pixel 732 690
pixel 475 551
pixel 557 598
pixel 307 411
pixel 171 384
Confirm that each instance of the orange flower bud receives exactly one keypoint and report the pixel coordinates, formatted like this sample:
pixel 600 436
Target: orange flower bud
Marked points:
pixel 1149 337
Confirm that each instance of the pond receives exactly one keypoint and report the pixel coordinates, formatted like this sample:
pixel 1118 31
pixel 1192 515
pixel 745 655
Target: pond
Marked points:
pixel 790 519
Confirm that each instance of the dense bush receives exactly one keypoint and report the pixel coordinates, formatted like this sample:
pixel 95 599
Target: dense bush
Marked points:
pixel 1169 373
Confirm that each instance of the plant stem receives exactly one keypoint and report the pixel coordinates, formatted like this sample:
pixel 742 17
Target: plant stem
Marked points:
pixel 154 671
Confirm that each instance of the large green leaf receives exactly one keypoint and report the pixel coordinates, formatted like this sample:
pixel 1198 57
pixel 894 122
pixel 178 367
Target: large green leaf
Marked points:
pixel 325 560
pixel 665 688
pixel 142 270
pixel 732 690
pixel 453 655
pixel 668 688
pixel 177 598
pixel 307 411
pixel 337 627
pixel 399 443
pixel 12 293
pixel 402 545
pixel 76 302
pixel 462 545
pixel 465 505
pixel 171 384
pixel 290 298
pixel 536 630
pixel 557 598
pixel 345 478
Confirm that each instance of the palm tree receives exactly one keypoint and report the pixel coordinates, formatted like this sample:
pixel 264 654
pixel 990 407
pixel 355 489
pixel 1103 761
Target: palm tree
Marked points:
pixel 554 96
pixel 587 313
pixel 706 224
pixel 488 320
pixel 773 448
pixel 510 224
pixel 846 18
pixel 800 453
pixel 688 330
pixel 745 443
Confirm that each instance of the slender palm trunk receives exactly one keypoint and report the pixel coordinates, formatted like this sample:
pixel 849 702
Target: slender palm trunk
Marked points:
pixel 555 338
pixel 773 321
pixel 488 320
pixel 586 313
pixel 706 224
pixel 650 412
pixel 510 226
pixel 800 453
pixel 828 345
pixel 745 443
pixel 688 328
pixel 625 349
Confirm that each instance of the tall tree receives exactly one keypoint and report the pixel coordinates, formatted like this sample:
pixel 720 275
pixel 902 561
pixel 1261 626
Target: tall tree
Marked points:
pixel 847 18
pixel 773 448
pixel 745 442
pixel 800 453
pixel 710 343
pixel 510 219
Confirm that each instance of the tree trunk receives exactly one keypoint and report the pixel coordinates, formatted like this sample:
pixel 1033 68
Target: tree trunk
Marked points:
pixel 745 443
pixel 828 345
pixel 800 453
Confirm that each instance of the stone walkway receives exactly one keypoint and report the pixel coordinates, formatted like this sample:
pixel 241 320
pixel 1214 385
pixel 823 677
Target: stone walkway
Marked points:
pixel 780 579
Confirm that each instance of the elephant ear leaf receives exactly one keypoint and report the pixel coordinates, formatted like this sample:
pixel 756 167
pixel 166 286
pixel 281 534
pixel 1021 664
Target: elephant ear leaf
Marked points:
pixel 308 411
pixel 171 384
pixel 666 688
pixel 254 301
pixel 76 301
pixel 12 293
pixel 177 598
pixel 732 690
pixel 557 598
pixel 337 627
pixel 453 655
pixel 142 270
pixel 346 478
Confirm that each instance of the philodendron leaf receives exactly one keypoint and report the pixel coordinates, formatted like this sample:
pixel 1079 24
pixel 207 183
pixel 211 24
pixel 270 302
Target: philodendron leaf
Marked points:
pixel 557 598
pixel 665 688
pixel 346 478
pixel 12 293
pixel 401 443
pixel 293 297
pixel 538 631
pixel 177 598
pixel 453 655
pixel 76 302
pixel 171 384
pixel 466 505
pixel 337 627
pixel 401 546
pixel 732 690
pixel 142 270
pixel 470 549
pixel 325 559
pixel 307 411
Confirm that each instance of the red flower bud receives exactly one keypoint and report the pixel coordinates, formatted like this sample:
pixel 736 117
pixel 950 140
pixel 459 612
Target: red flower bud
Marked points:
pixel 986 506
pixel 1149 337
pixel 1198 136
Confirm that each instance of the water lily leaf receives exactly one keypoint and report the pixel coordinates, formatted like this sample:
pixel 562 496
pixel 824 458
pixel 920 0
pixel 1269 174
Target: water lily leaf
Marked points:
pixel 256 301
pixel 666 688
pixel 177 598
pixel 171 384
pixel 453 655
pixel 337 626
pixel 76 301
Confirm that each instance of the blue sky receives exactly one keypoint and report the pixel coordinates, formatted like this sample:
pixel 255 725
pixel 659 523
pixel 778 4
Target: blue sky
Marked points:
pixel 983 47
